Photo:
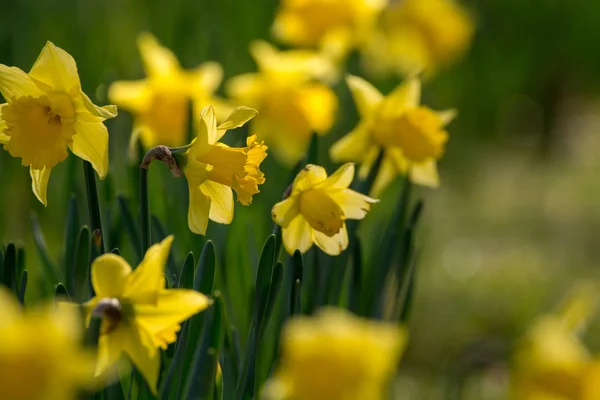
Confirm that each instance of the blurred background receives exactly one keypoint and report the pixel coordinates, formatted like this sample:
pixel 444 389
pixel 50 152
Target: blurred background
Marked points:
pixel 512 227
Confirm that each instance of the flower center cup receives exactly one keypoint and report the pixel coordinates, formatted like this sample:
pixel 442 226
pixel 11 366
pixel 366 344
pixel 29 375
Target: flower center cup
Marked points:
pixel 322 213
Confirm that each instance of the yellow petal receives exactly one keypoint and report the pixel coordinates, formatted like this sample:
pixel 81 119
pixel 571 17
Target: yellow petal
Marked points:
pixel 90 142
pixel 285 211
pixel 157 59
pixel 238 117
pixel 147 280
pixel 354 205
pixel 207 132
pixel 131 95
pixel 298 235
pixel 14 83
pixel 221 201
pixel 10 309
pixel 198 211
pixel 340 179
pixel 173 307
pixel 332 245
pixel 109 275
pixel 55 68
pixel 110 347
pixel 3 137
pixel 387 173
pixel 406 95
pixel 447 116
pixel 207 77
pixel 308 177
pixel 39 183
pixel 353 146
pixel 104 112
pixel 366 96
pixel 319 104
pixel 425 174
pixel 144 355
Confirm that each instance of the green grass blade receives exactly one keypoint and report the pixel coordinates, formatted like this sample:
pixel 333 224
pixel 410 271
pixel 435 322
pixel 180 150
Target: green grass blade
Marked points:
pixel 61 292
pixel 81 267
pixel 51 271
pixel 186 277
pixel 23 287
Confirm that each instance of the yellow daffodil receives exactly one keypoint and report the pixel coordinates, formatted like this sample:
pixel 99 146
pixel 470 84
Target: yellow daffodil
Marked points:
pixel 551 362
pixel 412 136
pixel 138 314
pixel 47 113
pixel 160 102
pixel 213 169
pixel 336 356
pixel 317 208
pixel 335 26
pixel 41 357
pixel 417 35
pixel 292 102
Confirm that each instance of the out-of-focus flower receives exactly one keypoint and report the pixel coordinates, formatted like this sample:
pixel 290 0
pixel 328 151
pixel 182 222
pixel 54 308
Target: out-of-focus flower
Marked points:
pixel 160 102
pixel 336 356
pixel 412 136
pixel 47 113
pixel 292 102
pixel 138 314
pixel 335 26
pixel 417 35
pixel 41 357
pixel 213 169
pixel 317 209
pixel 551 362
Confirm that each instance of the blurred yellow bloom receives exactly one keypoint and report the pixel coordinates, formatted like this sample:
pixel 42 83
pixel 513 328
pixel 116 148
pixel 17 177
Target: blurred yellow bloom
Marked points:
pixel 292 103
pixel 160 102
pixel 412 136
pixel 47 113
pixel 336 356
pixel 551 362
pixel 317 208
pixel 138 314
pixel 41 357
pixel 213 169
pixel 335 26
pixel 417 35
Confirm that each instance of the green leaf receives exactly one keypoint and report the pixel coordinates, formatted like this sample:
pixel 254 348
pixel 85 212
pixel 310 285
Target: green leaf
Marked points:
pixel 23 287
pixel 71 234
pixel 296 284
pixel 160 233
pixel 131 227
pixel 186 277
pixel 9 267
pixel 81 264
pixel 201 380
pixel 312 154
pixel 61 292
pixel 205 272
pixel 53 275
pixel 116 251
pixel 355 286
pixel 264 273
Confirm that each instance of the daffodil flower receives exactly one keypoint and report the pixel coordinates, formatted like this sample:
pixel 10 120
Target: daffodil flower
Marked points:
pixel 418 35
pixel 41 356
pixel 412 136
pixel 336 355
pixel 47 113
pixel 334 26
pixel 160 102
pixel 138 314
pixel 293 103
pixel 214 169
pixel 317 209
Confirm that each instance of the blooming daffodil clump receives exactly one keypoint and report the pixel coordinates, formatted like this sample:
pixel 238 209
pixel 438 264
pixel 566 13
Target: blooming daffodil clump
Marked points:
pixel 412 136
pixel 292 101
pixel 214 170
pixel 138 314
pixel 41 357
pixel 160 102
pixel 335 26
pixel 417 35
pixel 47 113
pixel 317 208
pixel 336 356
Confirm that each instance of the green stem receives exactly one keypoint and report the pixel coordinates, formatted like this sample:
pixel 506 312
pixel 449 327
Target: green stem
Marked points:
pixel 144 210
pixel 93 204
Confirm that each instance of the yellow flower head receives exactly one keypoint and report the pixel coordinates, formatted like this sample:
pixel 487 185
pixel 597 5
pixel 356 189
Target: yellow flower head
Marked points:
pixel 292 102
pixel 336 356
pixel 317 208
pixel 411 136
pixel 336 26
pixel 47 113
pixel 160 102
pixel 138 314
pixel 418 35
pixel 41 357
pixel 213 169
pixel 551 361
